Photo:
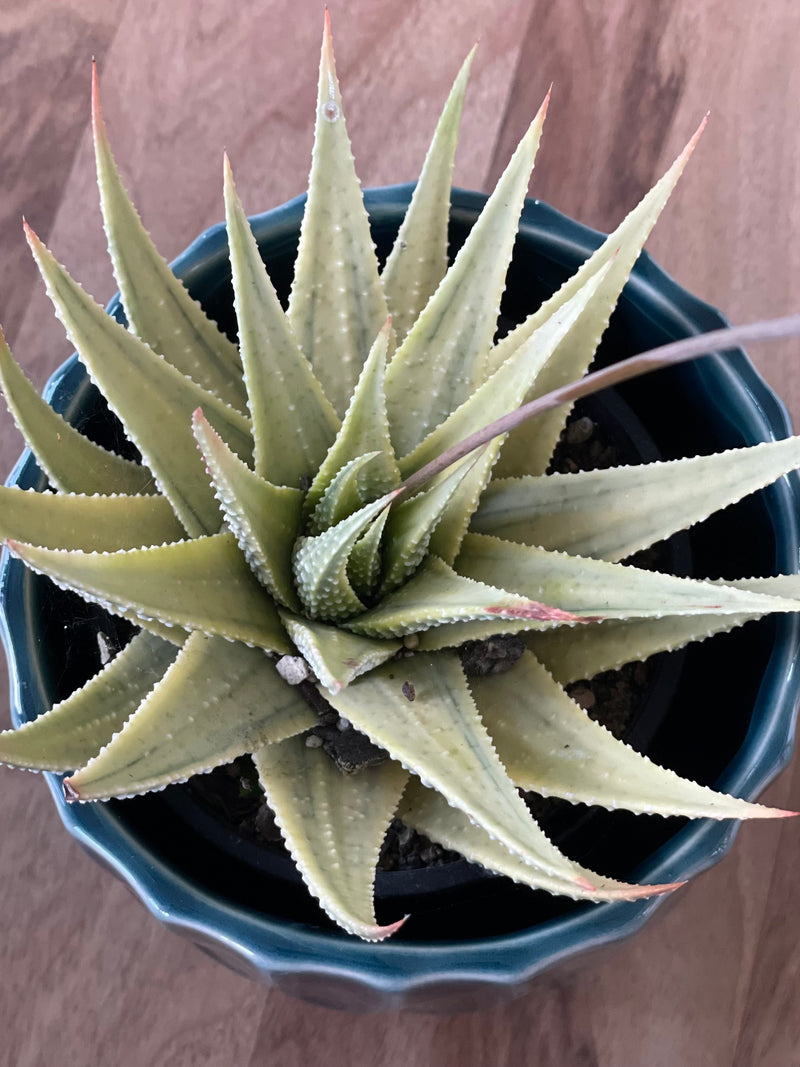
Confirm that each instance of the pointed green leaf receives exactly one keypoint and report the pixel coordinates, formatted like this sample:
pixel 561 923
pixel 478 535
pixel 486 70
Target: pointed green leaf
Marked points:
pixel 503 392
pixel 334 826
pixel 343 496
pixel 154 401
pixel 586 651
pixel 336 656
pixel 72 462
pixel 337 304
pixel 412 522
pixel 436 596
pixel 571 653
pixel 203 584
pixel 439 736
pixel 217 701
pixel 443 358
pixel 600 590
pixel 550 745
pixel 430 814
pixel 76 729
pixel 91 523
pixel 446 538
pixel 610 514
pixel 530 446
pixel 294 423
pixel 320 565
pixel 364 564
pixel 157 305
pixel 783 586
pixel 364 429
pixel 418 260
pixel 264 518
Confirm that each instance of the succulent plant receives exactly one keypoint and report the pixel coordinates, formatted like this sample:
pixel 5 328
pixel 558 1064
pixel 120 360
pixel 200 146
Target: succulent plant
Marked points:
pixel 306 523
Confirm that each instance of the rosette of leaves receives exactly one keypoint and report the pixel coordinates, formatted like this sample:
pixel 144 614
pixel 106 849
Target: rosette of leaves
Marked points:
pixel 280 526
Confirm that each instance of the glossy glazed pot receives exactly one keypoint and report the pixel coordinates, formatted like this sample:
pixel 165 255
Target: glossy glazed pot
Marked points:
pixel 740 727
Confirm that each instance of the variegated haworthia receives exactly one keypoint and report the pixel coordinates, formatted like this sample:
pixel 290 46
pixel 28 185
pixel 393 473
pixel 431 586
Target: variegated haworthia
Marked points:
pixel 270 533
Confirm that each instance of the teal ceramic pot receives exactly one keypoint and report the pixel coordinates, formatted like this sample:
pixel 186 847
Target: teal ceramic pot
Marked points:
pixel 479 939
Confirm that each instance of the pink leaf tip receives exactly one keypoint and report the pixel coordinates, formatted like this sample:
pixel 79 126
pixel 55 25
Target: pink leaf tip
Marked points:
pixel 30 234
pixel 71 794
pixel 380 933
pixel 545 103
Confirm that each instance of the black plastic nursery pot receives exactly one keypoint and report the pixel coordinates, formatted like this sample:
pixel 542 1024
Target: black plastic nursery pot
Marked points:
pixel 473 939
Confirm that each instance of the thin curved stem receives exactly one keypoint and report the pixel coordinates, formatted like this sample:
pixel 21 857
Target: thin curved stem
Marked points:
pixel 654 359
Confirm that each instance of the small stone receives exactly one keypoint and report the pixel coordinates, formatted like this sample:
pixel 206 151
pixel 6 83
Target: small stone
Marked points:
pixel 313 741
pixel 579 430
pixel 293 669
pixel 404 836
pixel 342 724
pixel 584 697
pixel 105 647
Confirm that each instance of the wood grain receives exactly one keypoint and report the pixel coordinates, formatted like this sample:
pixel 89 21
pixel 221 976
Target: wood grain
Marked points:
pixel 87 977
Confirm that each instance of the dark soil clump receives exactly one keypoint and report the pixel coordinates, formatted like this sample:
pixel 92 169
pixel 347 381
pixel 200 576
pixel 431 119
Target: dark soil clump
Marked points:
pixel 404 850
pixel 495 655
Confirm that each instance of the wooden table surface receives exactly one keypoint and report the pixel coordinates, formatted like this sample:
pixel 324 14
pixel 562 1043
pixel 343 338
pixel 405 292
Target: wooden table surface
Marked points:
pixel 86 977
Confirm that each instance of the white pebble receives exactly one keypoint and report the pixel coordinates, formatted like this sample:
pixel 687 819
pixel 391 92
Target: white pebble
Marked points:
pixel 293 669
